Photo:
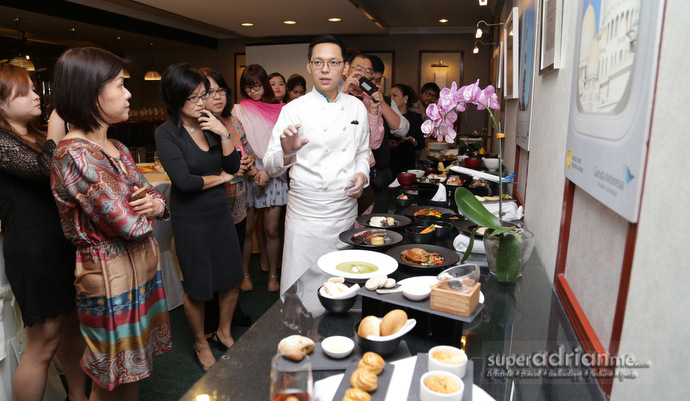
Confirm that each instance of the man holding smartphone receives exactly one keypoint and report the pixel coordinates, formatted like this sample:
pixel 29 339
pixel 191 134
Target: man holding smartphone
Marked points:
pixel 323 139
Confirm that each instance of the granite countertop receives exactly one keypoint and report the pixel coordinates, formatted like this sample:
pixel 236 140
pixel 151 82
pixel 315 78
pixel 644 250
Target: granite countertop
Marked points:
pixel 523 319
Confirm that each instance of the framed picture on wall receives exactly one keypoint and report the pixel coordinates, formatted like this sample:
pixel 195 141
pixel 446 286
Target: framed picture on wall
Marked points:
pixel 551 17
pixel 510 55
pixel 615 63
pixel 441 67
pixel 526 70
pixel 388 58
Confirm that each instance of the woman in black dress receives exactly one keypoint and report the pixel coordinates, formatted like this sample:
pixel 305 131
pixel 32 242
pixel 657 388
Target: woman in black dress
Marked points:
pixel 404 150
pixel 195 149
pixel 39 260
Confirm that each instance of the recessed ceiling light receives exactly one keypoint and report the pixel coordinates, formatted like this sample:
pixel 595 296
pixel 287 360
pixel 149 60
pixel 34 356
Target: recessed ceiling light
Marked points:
pixel 334 19
pixel 443 20
pixel 247 24
pixel 289 22
pixel 482 2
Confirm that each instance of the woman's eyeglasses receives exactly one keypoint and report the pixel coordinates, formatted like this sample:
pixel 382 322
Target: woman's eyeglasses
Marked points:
pixel 220 91
pixel 194 99
pixel 319 64
pixel 255 88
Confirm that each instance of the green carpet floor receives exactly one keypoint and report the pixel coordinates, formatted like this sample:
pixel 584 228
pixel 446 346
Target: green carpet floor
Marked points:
pixel 175 371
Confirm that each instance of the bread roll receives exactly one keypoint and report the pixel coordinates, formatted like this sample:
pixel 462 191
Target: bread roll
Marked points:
pixel 364 379
pixel 372 361
pixel 356 394
pixel 295 347
pixel 392 322
pixel 369 326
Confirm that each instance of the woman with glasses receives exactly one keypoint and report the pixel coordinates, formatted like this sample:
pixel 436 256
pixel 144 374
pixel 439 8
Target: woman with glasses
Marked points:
pixel 258 113
pixel 218 103
pixel 199 155
pixel 120 296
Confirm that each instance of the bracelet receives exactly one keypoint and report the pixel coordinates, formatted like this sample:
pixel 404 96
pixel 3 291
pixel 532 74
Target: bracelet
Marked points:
pixel 225 138
pixel 161 214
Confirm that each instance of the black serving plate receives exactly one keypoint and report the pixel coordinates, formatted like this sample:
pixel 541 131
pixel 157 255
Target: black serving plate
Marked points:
pixel 400 221
pixel 391 238
pixel 450 257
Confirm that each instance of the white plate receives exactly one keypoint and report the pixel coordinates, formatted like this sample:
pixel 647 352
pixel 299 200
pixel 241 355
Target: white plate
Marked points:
pixel 329 261
pixel 430 280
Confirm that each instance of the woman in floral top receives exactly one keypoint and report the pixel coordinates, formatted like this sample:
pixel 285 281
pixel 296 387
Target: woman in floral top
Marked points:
pixel 120 297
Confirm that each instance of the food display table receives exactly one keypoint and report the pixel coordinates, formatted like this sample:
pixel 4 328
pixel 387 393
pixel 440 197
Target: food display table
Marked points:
pixel 520 319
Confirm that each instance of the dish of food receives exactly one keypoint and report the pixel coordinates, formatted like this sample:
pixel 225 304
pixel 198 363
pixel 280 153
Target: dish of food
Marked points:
pixel 426 210
pixel 431 260
pixel 368 238
pixel 383 220
pixel 357 265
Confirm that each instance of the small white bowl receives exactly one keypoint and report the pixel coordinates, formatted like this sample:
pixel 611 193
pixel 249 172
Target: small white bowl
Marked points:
pixel 337 346
pixel 418 173
pixel 416 292
pixel 426 394
pixel 457 365
pixel 491 163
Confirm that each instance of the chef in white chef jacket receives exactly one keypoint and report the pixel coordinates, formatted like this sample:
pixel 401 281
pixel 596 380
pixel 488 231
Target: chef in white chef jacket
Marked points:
pixel 323 138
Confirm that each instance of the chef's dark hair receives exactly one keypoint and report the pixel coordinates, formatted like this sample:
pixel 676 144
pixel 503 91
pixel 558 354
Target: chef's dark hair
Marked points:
pixel 327 39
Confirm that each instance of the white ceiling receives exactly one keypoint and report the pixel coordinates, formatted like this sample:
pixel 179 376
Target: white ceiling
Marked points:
pixel 220 19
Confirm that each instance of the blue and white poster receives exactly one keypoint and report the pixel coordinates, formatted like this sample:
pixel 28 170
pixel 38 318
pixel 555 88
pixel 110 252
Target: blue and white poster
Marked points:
pixel 613 89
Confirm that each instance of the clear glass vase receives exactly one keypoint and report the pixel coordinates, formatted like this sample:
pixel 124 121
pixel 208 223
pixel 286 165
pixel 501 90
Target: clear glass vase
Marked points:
pixel 526 245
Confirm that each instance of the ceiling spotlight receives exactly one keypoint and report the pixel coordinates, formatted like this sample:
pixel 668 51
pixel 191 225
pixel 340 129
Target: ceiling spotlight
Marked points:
pixel 247 24
pixel 443 20
pixel 334 19
pixel 475 50
pixel 479 30
pixel 483 2
pixel 289 22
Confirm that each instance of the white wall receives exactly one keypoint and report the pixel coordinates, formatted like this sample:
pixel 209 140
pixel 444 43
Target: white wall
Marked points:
pixel 657 316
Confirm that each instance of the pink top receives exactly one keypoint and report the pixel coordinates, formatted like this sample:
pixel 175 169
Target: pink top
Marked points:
pixel 258 119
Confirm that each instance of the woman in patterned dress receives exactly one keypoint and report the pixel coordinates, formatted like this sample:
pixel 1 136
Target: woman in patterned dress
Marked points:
pixel 258 113
pixel 39 260
pixel 120 297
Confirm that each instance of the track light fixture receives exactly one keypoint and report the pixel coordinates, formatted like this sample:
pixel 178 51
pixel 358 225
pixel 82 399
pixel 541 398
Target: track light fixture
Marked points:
pixel 479 30
pixel 479 42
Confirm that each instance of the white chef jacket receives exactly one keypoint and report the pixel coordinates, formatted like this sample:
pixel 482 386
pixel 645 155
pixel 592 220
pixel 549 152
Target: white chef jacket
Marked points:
pixel 318 208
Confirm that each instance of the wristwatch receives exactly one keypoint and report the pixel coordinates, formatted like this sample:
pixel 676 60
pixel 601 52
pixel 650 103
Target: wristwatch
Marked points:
pixel 225 138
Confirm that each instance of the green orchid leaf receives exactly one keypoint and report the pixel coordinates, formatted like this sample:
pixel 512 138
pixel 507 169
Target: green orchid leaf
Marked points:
pixel 471 208
pixel 470 245
pixel 508 257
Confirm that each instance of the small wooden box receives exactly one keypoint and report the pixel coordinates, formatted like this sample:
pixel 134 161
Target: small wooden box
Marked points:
pixel 450 301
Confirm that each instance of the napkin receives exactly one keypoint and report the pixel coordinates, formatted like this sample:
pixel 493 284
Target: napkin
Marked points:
pixel 394 184
pixel 510 208
pixel 441 194
pixel 461 241
pixel 351 292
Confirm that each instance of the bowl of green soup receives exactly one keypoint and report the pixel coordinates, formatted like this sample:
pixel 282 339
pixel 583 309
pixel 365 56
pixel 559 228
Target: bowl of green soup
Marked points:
pixel 357 265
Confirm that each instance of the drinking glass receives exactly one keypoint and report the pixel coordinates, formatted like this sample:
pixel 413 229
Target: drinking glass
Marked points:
pixel 291 380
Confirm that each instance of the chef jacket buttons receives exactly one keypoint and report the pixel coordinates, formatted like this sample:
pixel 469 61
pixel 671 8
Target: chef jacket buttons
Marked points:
pixel 344 127
pixel 342 108
pixel 325 129
pixel 344 149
